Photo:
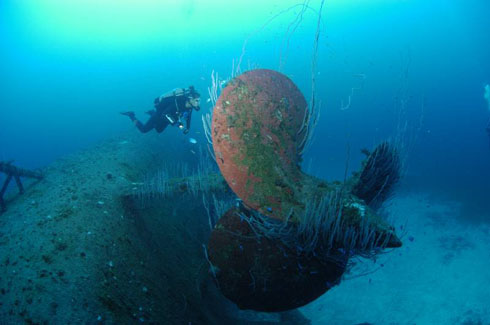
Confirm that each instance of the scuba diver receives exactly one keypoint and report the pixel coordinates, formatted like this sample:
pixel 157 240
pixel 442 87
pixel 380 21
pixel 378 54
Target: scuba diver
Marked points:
pixel 172 108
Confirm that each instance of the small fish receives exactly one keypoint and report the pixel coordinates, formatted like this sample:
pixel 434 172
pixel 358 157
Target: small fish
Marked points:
pixel 193 152
pixel 192 140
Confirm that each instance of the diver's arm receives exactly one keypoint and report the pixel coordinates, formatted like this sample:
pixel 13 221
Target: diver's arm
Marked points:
pixel 188 120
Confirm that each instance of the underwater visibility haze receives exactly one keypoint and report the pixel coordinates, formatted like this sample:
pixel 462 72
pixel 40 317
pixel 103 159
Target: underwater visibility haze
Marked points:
pixel 244 162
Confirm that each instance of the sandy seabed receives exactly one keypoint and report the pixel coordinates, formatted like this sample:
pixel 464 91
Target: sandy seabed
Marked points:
pixel 440 275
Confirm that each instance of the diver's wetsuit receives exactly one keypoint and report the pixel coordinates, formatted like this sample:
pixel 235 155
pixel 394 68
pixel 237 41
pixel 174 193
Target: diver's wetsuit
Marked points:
pixel 173 107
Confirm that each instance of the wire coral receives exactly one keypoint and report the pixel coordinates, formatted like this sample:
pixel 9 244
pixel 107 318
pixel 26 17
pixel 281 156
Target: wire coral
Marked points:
pixel 380 173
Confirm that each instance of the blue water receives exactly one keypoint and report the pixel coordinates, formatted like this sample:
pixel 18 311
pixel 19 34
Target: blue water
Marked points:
pixel 421 62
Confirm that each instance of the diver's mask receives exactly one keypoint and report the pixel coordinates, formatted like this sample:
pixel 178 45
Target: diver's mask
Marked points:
pixel 194 102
